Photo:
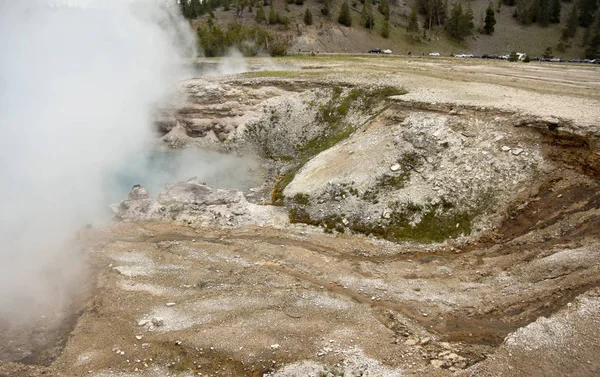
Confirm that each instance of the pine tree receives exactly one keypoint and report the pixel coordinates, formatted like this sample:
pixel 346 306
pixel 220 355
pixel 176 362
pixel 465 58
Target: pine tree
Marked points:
pixel 273 19
pixel 260 14
pixel 587 9
pixel 195 8
pixel 385 29
pixel 467 20
pixel 555 11
pixel 543 12
pixel 183 7
pixel 367 15
pixel 413 23
pixel 345 18
pixel 325 11
pixel 490 20
pixel 460 24
pixel 308 19
pixel 384 9
pixel 593 49
pixel 571 27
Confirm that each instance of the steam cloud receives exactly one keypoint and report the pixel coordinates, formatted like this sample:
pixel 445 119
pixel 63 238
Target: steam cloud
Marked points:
pixel 79 81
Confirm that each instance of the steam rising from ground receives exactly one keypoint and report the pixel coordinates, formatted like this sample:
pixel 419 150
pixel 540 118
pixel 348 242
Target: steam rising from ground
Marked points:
pixel 78 86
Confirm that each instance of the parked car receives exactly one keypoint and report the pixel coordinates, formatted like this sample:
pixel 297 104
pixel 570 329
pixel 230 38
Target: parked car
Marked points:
pixel 463 56
pixel 387 51
pixel 375 51
pixel 434 54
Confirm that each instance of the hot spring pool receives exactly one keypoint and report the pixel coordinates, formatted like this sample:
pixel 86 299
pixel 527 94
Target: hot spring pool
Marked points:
pixel 156 168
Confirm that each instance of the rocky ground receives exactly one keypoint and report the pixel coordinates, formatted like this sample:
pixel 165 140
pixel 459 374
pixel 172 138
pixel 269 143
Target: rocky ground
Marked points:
pixel 418 218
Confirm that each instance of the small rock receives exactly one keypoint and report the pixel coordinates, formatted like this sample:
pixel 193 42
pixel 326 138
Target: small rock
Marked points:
pixel 411 341
pixel 178 342
pixel 395 167
pixel 425 340
pixel 143 322
pixel 505 148
pixel 437 363
pixel 139 337
pixel 169 304
pixel 517 151
pixel 274 346
pixel 158 321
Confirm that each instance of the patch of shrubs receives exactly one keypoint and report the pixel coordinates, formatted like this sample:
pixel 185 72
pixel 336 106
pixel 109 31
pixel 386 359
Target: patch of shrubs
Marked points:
pixel 215 40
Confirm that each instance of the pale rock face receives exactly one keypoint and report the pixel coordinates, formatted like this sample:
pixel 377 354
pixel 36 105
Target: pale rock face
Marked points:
pixel 193 202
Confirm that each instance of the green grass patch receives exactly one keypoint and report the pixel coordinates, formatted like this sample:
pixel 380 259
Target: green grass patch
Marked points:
pixel 437 224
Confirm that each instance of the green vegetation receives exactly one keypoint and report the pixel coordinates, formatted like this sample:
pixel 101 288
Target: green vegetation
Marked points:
pixel 490 20
pixel 587 11
pixel 344 18
pixel 384 9
pixel 332 114
pixel 413 23
pixel 250 40
pixel 308 18
pixel 393 181
pixel 460 24
pixel 367 15
pixel 435 11
pixel 542 12
pixel 385 29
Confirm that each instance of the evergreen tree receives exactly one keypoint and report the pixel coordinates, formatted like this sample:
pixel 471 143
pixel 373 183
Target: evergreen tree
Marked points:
pixel 435 11
pixel 468 19
pixel 587 9
pixel 548 54
pixel 555 11
pixel 272 16
pixel 460 24
pixel 571 27
pixel 384 9
pixel 385 29
pixel 308 19
pixel 490 20
pixel 183 7
pixel 367 15
pixel 413 23
pixel 344 17
pixel 593 49
pixel 543 13
pixel 325 11
pixel 260 14
pixel 195 9
pixel 299 2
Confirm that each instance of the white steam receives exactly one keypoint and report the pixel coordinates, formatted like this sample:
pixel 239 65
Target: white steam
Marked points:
pixel 79 81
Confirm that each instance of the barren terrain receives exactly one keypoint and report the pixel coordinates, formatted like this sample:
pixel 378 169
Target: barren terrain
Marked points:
pixel 418 217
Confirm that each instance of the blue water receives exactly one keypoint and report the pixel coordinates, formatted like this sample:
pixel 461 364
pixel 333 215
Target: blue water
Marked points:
pixel 155 169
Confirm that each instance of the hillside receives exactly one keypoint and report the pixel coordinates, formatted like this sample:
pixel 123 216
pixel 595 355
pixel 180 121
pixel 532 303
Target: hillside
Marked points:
pixel 327 35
